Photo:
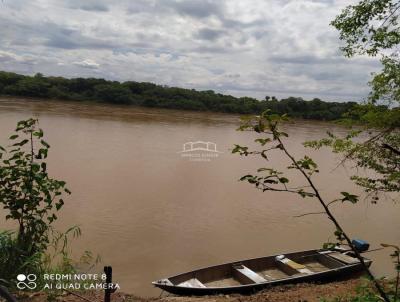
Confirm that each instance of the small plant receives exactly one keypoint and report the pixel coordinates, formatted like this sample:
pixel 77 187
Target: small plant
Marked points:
pixel 396 260
pixel 27 192
pixel 32 198
pixel 58 260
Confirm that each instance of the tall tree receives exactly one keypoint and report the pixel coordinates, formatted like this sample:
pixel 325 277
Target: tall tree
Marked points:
pixel 371 27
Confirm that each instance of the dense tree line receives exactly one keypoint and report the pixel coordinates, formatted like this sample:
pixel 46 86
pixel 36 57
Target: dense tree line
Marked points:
pixel 152 95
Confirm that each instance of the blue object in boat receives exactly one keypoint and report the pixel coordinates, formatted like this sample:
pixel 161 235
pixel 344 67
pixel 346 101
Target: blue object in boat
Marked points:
pixel 360 245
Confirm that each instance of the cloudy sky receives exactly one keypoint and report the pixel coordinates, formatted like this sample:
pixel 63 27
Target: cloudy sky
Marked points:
pixel 240 47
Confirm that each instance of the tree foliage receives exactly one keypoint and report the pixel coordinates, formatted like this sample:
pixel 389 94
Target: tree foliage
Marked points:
pixel 377 153
pixel 152 95
pixel 371 28
pixel 386 84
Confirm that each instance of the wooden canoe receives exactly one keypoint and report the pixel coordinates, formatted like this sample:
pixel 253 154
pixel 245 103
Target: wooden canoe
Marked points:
pixel 250 275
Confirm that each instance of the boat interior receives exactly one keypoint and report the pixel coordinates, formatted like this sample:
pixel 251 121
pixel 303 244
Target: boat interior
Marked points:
pixel 262 270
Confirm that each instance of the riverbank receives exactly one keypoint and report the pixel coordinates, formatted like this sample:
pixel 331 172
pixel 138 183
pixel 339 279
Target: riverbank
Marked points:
pixel 161 96
pixel 289 293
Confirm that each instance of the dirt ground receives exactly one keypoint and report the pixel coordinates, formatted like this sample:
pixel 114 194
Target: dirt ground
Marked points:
pixel 290 293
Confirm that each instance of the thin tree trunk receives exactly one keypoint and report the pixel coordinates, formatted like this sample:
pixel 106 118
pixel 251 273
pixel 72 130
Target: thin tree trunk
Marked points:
pixel 336 223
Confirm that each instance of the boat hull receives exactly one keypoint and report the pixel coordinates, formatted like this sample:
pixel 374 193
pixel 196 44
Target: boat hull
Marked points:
pixel 342 271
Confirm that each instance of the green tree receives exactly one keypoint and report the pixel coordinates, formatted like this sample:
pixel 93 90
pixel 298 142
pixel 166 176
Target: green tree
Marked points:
pixel 113 93
pixel 371 27
pixel 32 86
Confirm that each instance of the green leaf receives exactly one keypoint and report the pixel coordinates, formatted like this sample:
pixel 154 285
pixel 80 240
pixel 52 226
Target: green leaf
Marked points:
pixel 44 143
pixel 263 169
pixel 349 197
pixel 264 154
pixel 35 168
pixel 39 133
pixel 21 143
pixel 305 194
pixel 263 141
pixel 283 180
pixel 246 177
pixel 59 204
pixel 328 245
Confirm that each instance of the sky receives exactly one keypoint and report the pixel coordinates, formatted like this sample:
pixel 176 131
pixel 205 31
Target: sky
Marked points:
pixel 241 47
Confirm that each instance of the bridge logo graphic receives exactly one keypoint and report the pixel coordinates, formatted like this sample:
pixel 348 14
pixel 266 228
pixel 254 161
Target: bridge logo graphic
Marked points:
pixel 200 146
pixel 199 151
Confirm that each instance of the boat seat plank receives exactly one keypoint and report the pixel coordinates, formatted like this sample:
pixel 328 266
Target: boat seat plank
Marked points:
pixel 293 264
pixel 296 266
pixel 166 282
pixel 252 275
pixel 194 282
pixel 344 258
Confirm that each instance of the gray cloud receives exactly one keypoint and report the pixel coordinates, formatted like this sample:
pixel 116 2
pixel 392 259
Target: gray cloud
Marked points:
pixel 72 39
pixel 94 7
pixel 7 57
pixel 51 34
pixel 88 5
pixel 197 8
pixel 144 6
pixel 209 34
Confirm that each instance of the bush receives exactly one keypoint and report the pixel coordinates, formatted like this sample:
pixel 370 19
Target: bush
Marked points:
pixel 31 198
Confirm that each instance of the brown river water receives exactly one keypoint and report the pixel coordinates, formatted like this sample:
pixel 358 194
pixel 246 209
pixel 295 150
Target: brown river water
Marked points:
pixel 151 211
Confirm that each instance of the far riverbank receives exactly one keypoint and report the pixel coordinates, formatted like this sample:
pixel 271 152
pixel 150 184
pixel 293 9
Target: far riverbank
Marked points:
pixel 160 96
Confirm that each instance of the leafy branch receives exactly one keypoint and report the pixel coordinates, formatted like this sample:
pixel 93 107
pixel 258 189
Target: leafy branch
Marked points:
pixel 268 125
pixel 378 153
